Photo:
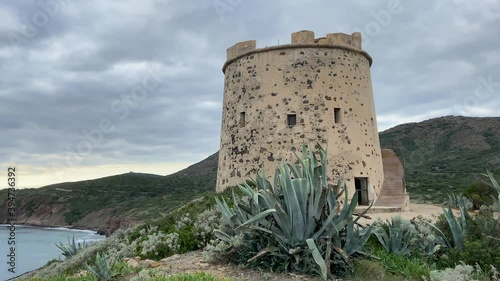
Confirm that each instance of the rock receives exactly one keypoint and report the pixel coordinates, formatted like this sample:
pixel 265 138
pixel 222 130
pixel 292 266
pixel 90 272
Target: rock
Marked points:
pixel 132 263
pixel 103 232
pixel 203 264
pixel 176 256
pixel 82 273
pixel 150 263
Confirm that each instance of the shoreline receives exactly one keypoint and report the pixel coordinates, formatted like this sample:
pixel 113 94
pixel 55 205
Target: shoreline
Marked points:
pixel 79 234
pixel 49 227
pixel 66 227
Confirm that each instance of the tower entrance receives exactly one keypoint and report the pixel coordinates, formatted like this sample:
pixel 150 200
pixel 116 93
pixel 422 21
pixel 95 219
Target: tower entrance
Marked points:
pixel 362 190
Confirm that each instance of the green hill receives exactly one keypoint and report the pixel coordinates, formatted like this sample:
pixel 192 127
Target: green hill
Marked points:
pixel 446 154
pixel 110 202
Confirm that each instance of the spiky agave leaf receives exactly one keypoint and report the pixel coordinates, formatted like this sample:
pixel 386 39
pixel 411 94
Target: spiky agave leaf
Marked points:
pixel 396 240
pixel 320 261
pixel 71 249
pixel 355 240
pixel 457 230
pixel 102 270
pixel 496 186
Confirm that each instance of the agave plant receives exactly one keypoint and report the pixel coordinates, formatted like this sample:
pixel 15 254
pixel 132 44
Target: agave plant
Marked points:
pixel 398 239
pixel 71 249
pixel 102 270
pixel 299 213
pixel 454 200
pixel 496 186
pixel 458 226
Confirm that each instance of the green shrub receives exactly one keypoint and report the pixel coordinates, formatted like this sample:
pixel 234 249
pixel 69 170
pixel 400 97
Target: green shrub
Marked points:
pixel 408 267
pixel 465 272
pixel 428 241
pixel 481 194
pixel 205 224
pixel 368 270
pixel 158 245
pixel 459 273
pixel 188 241
pixel 185 229
pixel 296 223
pixel 482 243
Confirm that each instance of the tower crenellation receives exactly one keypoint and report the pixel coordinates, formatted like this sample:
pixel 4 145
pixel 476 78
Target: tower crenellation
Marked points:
pixel 300 37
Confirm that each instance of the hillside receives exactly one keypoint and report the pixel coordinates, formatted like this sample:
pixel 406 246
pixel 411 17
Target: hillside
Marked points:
pixel 107 203
pixel 204 167
pixel 446 154
pixel 440 155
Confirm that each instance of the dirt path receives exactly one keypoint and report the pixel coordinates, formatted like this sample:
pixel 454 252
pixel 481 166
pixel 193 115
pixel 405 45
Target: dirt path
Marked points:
pixel 193 262
pixel 426 211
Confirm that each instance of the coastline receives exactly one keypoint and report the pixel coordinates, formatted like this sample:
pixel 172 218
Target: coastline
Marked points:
pixel 65 227
pixel 79 233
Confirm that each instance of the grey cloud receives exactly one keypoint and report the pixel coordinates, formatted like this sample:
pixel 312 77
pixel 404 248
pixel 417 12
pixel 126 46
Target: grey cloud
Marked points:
pixel 427 59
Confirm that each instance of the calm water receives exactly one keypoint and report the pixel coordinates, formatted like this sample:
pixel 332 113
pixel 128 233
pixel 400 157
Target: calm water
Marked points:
pixel 35 246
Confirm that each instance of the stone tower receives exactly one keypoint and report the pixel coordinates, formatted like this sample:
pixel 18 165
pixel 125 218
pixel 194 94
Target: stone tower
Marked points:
pixel 312 90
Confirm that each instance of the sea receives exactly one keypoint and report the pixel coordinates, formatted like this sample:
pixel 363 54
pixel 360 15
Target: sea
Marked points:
pixel 35 246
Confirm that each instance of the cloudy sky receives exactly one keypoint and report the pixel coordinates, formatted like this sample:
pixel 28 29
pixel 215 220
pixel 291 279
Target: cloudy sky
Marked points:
pixel 93 88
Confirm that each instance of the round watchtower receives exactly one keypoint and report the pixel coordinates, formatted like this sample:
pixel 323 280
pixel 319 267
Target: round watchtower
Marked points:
pixel 312 90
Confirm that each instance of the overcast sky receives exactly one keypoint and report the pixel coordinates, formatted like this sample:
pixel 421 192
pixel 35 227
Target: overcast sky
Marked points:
pixel 93 88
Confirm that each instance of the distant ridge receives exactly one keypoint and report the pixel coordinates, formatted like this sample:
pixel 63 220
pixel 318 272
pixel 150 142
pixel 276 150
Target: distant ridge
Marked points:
pixel 206 166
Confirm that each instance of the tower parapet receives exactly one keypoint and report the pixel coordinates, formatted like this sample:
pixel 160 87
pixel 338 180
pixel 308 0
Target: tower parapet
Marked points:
pixel 303 39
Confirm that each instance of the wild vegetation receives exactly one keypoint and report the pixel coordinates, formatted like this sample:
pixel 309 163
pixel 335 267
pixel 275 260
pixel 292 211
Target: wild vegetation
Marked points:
pixel 297 224
pixel 184 229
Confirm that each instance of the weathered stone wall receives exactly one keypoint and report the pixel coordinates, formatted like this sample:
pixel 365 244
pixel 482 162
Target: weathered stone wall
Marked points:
pixel 308 78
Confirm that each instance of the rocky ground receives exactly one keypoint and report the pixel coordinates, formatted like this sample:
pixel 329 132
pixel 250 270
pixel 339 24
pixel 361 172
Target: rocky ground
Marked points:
pixel 193 262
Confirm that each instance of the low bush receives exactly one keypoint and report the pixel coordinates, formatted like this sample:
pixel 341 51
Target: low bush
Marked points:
pixel 365 269
pixel 183 230
pixel 464 272
pixel 481 194
pixel 399 267
pixel 482 243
